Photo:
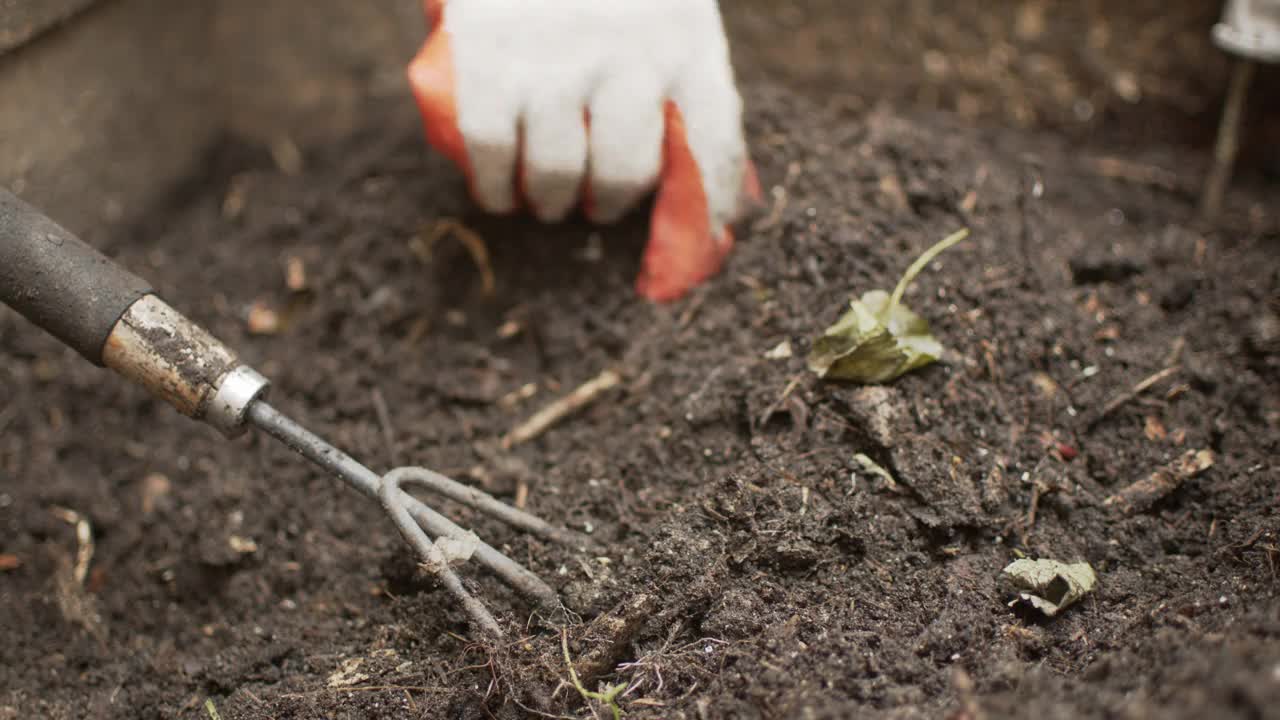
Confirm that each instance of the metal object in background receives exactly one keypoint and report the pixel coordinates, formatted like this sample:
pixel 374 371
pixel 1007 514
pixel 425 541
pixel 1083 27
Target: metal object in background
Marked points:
pixel 1250 30
pixel 114 319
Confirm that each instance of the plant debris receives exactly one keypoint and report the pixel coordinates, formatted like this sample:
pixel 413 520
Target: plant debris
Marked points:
pixel 78 606
pixel 610 694
pixel 348 674
pixel 1144 493
pixel 263 319
pixel 424 243
pixel 871 467
pixel 1048 585
pixel 84 541
pixel 1133 393
pixel 562 408
pixel 879 339
pixel 781 351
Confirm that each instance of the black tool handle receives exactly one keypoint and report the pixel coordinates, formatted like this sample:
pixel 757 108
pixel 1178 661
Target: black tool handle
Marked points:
pixel 60 283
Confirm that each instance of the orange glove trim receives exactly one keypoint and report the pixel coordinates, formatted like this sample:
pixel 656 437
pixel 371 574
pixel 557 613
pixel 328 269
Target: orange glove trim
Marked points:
pixel 432 79
pixel 683 248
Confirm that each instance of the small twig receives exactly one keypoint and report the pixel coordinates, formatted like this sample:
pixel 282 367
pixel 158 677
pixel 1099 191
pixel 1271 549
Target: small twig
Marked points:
pixel 610 694
pixel 780 200
pixel 1115 168
pixel 1144 493
pixel 368 688
pixel 384 419
pixel 542 420
pixel 1129 396
pixel 539 713
pixel 212 709
pixel 1175 352
pixel 690 312
pixel 375 688
pixel 782 397
pixel 1253 540
pixel 1038 491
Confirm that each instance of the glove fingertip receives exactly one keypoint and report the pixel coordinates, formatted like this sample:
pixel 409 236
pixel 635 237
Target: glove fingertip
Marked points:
pixel 675 264
pixel 683 251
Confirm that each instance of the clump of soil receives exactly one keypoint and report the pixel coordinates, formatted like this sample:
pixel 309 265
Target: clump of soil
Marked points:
pixel 748 565
pixel 1141 72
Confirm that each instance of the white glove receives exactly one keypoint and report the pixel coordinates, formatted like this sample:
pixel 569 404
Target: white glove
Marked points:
pixel 552 101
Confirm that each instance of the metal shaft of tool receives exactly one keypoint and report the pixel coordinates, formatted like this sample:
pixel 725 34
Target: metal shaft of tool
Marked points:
pixel 310 446
pixel 1228 142
pixel 487 504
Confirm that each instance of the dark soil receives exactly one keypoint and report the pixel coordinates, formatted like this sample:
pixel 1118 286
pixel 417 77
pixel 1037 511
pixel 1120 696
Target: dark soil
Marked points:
pixel 748 566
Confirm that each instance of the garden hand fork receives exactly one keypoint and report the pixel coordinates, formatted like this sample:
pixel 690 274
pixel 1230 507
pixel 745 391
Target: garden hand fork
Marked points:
pixel 114 319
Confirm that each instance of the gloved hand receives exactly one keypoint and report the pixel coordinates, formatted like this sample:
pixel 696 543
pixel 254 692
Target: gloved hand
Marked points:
pixel 548 102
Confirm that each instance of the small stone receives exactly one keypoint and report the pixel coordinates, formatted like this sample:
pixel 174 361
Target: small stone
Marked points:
pixel 263 319
pixel 878 412
pixel 781 351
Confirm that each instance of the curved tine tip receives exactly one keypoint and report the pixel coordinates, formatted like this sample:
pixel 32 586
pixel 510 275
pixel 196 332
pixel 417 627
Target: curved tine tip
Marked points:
pixel 481 501
pixel 512 572
pixel 393 501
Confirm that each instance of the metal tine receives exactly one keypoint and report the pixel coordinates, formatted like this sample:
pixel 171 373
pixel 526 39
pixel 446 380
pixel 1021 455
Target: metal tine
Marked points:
pixel 393 501
pixel 265 417
pixel 437 525
pixel 477 499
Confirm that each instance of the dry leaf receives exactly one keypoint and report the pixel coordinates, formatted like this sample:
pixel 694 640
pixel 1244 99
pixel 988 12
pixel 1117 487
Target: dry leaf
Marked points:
pixel 1048 585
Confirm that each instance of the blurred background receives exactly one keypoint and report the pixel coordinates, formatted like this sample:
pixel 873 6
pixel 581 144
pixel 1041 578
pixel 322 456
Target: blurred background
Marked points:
pixel 109 102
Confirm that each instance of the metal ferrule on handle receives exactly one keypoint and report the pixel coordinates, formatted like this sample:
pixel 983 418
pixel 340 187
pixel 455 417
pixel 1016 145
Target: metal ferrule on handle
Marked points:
pixel 113 318
pixel 179 362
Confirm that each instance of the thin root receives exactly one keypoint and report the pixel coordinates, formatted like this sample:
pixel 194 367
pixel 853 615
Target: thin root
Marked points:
pixel 425 242
pixel 610 694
